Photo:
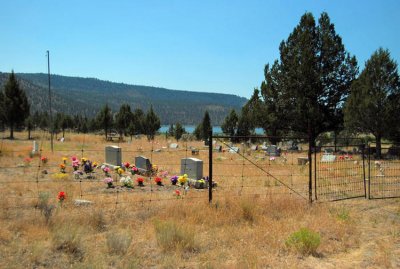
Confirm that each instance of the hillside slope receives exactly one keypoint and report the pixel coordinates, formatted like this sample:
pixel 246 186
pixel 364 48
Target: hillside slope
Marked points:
pixel 76 95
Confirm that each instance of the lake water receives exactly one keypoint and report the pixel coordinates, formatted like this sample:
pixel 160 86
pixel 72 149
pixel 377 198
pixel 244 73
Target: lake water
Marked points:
pixel 216 129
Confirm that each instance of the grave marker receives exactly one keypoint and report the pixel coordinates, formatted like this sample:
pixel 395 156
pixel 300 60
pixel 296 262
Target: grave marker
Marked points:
pixel 192 167
pixel 142 163
pixel 328 158
pixel 35 148
pixel 173 146
pixel 273 151
pixel 113 155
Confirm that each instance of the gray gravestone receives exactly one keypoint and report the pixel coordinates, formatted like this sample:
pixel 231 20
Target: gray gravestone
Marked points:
pixel 113 155
pixel 328 158
pixel 192 167
pixel 142 163
pixel 273 151
pixel 254 147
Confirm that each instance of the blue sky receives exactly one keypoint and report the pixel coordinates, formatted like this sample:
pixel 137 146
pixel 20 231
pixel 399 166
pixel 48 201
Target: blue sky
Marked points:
pixel 210 46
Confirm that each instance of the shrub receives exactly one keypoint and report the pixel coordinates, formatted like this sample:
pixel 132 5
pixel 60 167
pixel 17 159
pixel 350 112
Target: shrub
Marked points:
pixel 304 241
pixel 44 207
pixel 118 242
pixel 68 239
pixel 171 236
pixel 248 210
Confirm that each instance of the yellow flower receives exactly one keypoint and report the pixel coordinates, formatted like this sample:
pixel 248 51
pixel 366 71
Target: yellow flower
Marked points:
pixel 120 171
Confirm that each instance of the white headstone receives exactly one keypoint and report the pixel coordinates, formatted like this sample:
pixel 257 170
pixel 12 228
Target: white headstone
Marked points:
pixel 328 158
pixel 173 146
pixel 35 148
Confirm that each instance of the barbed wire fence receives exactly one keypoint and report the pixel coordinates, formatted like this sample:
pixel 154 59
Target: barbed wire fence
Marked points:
pixel 238 173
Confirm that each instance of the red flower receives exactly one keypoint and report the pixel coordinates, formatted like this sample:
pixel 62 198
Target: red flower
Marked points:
pixel 61 196
pixel 177 193
pixel 139 179
pixel 127 164
pixel 158 179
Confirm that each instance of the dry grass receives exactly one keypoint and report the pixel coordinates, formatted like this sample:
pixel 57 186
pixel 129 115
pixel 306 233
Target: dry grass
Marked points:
pixel 247 225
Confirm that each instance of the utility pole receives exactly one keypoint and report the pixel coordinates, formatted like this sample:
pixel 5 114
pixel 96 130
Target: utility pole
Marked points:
pixel 50 112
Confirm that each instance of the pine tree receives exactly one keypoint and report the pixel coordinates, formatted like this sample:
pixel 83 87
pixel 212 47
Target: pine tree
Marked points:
pixel 15 104
pixel 123 119
pixel 230 123
pixel 179 131
pixel 206 126
pixel 105 119
pixel 374 102
pixel 152 124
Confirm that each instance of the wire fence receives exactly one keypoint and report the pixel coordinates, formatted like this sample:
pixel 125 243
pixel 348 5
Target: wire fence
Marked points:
pixel 252 169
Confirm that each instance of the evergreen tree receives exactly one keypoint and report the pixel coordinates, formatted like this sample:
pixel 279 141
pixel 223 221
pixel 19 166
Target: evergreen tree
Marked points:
pixel 171 130
pixel 245 124
pixel 230 123
pixel 198 131
pixel 179 131
pixel 123 119
pixel 137 122
pixel 29 126
pixel 374 102
pixel 15 104
pixel 206 126
pixel 105 119
pixel 305 91
pixel 66 122
pixel 152 124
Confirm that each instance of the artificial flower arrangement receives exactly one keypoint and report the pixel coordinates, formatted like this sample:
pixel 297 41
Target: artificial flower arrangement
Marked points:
pixel 134 170
pixel 75 163
pixel 183 179
pixel 127 165
pixel 64 160
pixel 83 161
pixel 174 180
pixel 140 181
pixel 95 165
pixel 120 171
pixel 62 168
pixel 177 194
pixel 77 174
pixel 200 184
pixel 27 161
pixel 106 170
pixel 44 159
pixel 158 181
pixel 61 197
pixel 126 182
pixel 109 182
pixel 87 167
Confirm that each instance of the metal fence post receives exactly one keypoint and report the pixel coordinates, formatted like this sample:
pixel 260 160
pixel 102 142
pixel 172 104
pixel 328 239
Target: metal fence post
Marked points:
pixel 363 164
pixel 210 171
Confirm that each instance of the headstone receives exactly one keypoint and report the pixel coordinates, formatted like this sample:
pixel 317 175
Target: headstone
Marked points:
pixel 142 163
pixel 218 148
pixel 195 151
pixel 254 147
pixel 157 150
pixel 302 160
pixel 234 150
pixel 328 151
pixel 328 158
pixel 113 155
pixel 62 139
pixel 80 202
pixel 173 146
pixel 35 148
pixel 273 151
pixel 192 167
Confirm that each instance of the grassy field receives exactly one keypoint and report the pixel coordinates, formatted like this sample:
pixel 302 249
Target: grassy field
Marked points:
pixel 254 221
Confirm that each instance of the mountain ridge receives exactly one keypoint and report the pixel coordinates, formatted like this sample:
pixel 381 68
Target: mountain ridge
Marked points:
pixel 86 96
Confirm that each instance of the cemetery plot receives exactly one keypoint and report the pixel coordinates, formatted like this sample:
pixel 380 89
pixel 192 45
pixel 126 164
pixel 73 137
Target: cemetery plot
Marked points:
pixel 384 179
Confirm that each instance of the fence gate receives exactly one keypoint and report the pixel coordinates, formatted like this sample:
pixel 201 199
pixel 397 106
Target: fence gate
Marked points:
pixel 340 175
pixel 384 174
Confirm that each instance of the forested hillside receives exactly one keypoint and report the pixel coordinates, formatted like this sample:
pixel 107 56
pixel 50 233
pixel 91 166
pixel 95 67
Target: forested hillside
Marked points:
pixel 85 96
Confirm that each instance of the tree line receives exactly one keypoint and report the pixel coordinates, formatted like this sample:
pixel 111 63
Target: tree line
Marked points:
pixel 315 87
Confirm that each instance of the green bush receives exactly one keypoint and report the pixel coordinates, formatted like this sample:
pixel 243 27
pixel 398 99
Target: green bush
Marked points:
pixel 304 241
pixel 171 236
